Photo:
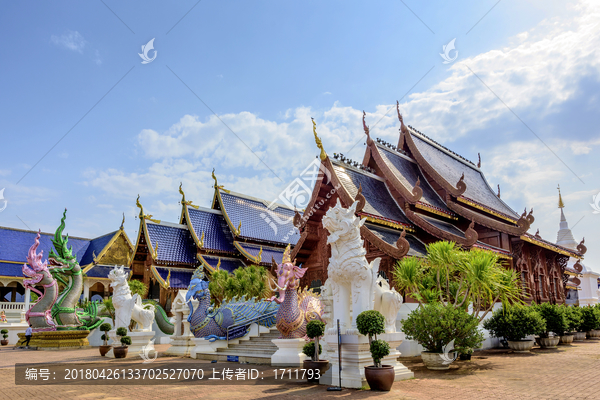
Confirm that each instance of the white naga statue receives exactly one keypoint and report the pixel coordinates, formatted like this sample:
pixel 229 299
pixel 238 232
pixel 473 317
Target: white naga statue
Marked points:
pixel 128 307
pixel 388 303
pixel 351 277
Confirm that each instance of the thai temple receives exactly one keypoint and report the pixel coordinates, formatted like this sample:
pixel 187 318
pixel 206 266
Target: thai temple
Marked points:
pixel 413 193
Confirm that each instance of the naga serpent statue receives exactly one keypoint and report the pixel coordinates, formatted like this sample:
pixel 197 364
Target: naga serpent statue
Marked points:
pixel 66 270
pixel 211 323
pixel 39 316
pixel 298 307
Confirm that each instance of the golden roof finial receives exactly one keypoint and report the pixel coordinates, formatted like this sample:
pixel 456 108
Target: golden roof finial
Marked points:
pixel 155 252
pixel 202 240
pixel 142 215
pixel 323 155
pixel 137 203
pixel 122 222
pixel 183 201
pixel 259 256
pixel 217 186
pixel 181 190
pixel 168 280
pixel 218 264
pixel 560 200
pixel 287 257
pixel 238 230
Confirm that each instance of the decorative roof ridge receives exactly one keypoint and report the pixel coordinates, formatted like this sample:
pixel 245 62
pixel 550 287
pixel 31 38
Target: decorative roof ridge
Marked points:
pixel 223 258
pixel 394 151
pixel 271 242
pixel 205 209
pixel 259 246
pixel 51 234
pixel 169 224
pixel 356 169
pixel 496 213
pixel 264 202
pixel 175 268
pixel 550 244
pixel 443 148
pixel 375 219
pixel 478 242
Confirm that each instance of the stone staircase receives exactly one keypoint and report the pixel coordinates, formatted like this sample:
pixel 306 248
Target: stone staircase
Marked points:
pixel 253 350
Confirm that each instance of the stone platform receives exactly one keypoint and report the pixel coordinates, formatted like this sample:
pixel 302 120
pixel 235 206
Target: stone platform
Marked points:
pixel 57 340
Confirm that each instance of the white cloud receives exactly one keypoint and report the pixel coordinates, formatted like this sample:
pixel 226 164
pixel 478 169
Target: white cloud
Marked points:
pixel 71 40
pixel 326 93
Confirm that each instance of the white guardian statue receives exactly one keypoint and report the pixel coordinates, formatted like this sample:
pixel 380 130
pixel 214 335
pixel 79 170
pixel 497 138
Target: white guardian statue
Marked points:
pixel 351 277
pixel 128 307
pixel 388 303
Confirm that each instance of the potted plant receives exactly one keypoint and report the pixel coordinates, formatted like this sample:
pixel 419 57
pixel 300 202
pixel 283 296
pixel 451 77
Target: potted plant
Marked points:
pixel 438 328
pixel 464 354
pixel 576 316
pixel 556 323
pixel 573 317
pixel 379 377
pixel 4 333
pixel 121 351
pixel 105 327
pixel 314 330
pixel 514 323
pixel 591 322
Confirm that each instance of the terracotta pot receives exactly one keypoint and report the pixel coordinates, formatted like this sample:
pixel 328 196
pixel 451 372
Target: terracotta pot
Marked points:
pixel 549 342
pixel 380 378
pixel 104 349
pixel 4 342
pixel 435 361
pixel 321 366
pixel 593 334
pixel 521 346
pixel 566 338
pixel 579 336
pixel 120 351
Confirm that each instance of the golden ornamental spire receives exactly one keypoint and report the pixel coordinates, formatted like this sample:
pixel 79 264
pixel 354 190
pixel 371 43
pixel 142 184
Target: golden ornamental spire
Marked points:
pixel 202 240
pixel 181 190
pixel 122 222
pixel 238 230
pixel 142 215
pixel 216 185
pixel 560 200
pixel 168 280
pixel 323 155
pixel 218 264
pixel 137 203
pixel 287 258
pixel 183 201
pixel 259 256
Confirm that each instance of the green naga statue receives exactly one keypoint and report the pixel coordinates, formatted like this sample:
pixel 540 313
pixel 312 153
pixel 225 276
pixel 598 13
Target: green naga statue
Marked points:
pixel 66 270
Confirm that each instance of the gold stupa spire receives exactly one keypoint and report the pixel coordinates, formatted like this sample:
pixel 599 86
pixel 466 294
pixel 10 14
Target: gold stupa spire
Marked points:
pixel 560 200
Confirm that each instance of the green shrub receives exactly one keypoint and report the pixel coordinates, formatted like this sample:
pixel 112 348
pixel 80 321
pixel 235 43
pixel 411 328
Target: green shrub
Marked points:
pixel 315 329
pixel 590 318
pixel 104 337
pixel 125 340
pixel 105 327
pixel 372 323
pixel 121 331
pixel 574 319
pixel 379 349
pixel 4 333
pixel 555 318
pixel 435 325
pixel 309 350
pixel 515 322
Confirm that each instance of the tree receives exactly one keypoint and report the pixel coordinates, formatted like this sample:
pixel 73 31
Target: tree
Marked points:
pixel 138 287
pixel 251 281
pixel 449 275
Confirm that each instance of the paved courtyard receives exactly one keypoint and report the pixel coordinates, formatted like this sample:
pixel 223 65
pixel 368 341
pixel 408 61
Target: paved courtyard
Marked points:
pixel 571 372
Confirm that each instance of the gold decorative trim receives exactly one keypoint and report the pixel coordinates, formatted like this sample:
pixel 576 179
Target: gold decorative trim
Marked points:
pixel 482 208
pixel 546 246
pixel 387 223
pixel 112 241
pixel 435 211
pixel 13 262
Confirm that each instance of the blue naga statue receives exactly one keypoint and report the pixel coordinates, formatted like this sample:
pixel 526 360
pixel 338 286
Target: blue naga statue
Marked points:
pixel 211 323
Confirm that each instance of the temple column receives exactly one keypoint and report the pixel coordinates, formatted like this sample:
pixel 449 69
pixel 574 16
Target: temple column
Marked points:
pixel 27 298
pixel 86 290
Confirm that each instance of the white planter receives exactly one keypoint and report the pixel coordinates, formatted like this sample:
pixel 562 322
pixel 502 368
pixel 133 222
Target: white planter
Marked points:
pixel 579 336
pixel 521 346
pixel 435 361
pixel 549 343
pixel 593 334
pixel 567 338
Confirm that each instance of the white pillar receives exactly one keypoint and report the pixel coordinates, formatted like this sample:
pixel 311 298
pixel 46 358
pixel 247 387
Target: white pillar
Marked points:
pixel 86 290
pixel 27 298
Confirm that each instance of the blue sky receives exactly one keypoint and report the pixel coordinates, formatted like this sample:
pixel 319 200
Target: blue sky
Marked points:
pixel 265 68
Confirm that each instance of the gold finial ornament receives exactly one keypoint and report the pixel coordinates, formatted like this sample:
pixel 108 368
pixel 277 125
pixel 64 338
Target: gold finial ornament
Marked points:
pixel 323 155
pixel 137 203
pixel 238 230
pixel 94 257
pixel 287 257
pixel 202 240
pixel 183 201
pixel 561 204
pixel 123 222
pixel 259 256
pixel 218 264
pixel 155 252
pixel 216 185
pixel 145 216
pixel 181 190
pixel 168 280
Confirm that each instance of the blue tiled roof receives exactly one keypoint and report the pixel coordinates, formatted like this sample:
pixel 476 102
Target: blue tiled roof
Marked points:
pixel 15 244
pixel 267 253
pixel 102 271
pixel 257 221
pixel 180 278
pixel 228 264
pixel 10 269
pixel 217 235
pixel 378 200
pixel 96 246
pixel 407 172
pixel 443 225
pixel 175 243
pixel 390 236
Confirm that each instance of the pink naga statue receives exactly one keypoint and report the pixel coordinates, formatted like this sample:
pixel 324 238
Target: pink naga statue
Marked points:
pixel 298 307
pixel 39 316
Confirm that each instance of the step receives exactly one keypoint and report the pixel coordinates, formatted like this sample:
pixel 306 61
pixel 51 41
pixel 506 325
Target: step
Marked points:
pixel 243 358
pixel 238 347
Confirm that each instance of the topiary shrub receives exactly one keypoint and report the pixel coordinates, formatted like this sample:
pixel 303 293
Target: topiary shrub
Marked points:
pixel 515 323
pixel 309 350
pixel 105 327
pixel 435 325
pixel 4 333
pixel 125 340
pixel 121 331
pixel 590 318
pixel 555 319
pixel 314 330
pixel 371 323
